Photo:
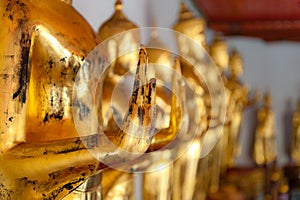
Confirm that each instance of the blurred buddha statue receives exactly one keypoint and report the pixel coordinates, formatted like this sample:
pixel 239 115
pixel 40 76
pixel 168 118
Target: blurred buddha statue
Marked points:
pixel 196 69
pixel 158 178
pixel 239 100
pixel 116 24
pixel 123 50
pixel 169 120
pixel 122 189
pixel 296 136
pixel 264 145
pixel 219 53
pixel 43 45
pixel 191 27
pixel 162 169
pixel 190 42
pixel 122 39
pixel 178 179
pixel 161 61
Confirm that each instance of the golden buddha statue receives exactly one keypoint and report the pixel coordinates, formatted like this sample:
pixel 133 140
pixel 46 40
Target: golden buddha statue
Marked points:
pixel 123 188
pixel 115 35
pixel 239 100
pixel 168 120
pixel 162 169
pixel 41 153
pixel 186 166
pixel 264 146
pixel 191 42
pixel 161 61
pixel 116 24
pixel 191 27
pixel 191 37
pixel 122 46
pixel 39 60
pixel 201 75
pixel 296 136
pixel 158 181
pixel 218 51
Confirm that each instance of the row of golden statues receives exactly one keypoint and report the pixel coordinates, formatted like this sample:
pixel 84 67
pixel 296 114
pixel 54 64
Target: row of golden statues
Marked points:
pixel 45 45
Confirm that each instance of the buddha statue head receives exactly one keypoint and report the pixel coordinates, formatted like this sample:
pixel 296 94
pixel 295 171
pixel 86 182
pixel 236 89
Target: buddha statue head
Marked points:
pixel 159 52
pixel 118 46
pixel 267 100
pixel 39 61
pixel 236 64
pixel 191 26
pixel 190 34
pixel 219 53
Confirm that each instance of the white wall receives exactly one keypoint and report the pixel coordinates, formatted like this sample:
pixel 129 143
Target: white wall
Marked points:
pixel 270 67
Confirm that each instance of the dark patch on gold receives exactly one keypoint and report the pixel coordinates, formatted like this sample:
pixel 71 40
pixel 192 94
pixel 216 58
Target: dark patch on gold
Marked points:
pixel 4 192
pixel 84 110
pixel 24 70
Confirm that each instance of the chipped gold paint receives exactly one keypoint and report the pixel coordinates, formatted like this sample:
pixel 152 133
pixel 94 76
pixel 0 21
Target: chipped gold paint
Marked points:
pixel 43 45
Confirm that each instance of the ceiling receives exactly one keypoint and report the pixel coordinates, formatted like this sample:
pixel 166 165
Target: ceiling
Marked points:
pixel 271 20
